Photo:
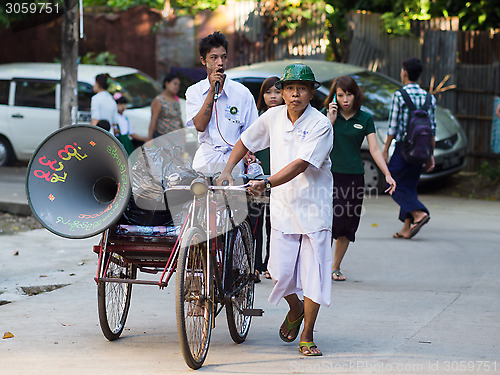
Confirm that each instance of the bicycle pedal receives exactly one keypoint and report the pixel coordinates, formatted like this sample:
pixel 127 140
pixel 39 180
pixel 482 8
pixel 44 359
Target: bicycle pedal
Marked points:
pixel 253 312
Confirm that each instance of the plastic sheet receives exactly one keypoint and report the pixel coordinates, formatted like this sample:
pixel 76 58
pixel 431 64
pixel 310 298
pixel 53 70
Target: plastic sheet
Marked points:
pixel 151 166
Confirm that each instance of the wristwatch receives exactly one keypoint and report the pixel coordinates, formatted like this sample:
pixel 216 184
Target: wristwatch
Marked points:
pixel 267 184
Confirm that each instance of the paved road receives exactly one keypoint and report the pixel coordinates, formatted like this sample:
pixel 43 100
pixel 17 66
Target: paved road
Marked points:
pixel 429 305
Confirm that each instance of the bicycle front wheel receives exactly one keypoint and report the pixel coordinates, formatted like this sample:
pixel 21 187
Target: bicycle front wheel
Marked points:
pixel 241 269
pixel 194 305
pixel 113 298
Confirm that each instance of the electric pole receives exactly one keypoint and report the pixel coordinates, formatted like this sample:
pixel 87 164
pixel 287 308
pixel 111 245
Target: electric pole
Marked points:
pixel 69 64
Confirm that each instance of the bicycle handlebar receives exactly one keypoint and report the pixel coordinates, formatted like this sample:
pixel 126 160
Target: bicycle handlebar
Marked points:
pixel 212 187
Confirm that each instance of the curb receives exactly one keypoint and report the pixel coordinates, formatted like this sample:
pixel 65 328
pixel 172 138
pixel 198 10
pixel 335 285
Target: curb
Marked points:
pixel 15 208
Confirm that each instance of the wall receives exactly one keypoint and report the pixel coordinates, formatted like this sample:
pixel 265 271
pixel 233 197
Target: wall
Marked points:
pixel 127 34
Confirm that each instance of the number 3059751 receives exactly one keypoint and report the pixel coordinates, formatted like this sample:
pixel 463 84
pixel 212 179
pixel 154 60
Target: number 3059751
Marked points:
pixel 32 7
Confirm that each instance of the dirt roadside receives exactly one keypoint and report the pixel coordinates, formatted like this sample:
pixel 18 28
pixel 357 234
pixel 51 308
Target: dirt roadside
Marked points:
pixel 10 223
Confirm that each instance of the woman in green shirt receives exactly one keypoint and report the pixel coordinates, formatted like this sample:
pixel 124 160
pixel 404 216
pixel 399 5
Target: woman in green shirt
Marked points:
pixel 350 125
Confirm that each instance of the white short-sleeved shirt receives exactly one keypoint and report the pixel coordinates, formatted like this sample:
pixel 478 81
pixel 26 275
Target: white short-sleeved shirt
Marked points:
pixel 236 111
pixel 304 204
pixel 124 125
pixel 103 107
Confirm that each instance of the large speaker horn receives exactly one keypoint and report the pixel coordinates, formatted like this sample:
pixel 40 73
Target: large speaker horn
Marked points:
pixel 78 181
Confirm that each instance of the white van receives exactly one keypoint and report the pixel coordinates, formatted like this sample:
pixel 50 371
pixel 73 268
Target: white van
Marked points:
pixel 30 101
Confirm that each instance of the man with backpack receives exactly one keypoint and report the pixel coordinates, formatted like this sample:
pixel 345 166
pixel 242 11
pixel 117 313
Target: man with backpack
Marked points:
pixel 412 124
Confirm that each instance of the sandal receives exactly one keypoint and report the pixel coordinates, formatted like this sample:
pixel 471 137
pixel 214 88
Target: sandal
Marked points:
pixel 267 275
pixel 309 345
pixel 290 326
pixel 256 279
pixel 337 276
pixel 400 236
pixel 418 225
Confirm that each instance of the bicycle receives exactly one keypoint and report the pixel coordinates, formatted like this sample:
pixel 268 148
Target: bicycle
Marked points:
pixel 215 270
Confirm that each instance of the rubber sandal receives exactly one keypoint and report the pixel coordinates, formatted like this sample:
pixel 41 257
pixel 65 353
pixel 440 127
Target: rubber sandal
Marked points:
pixel 309 345
pixel 400 237
pixel 418 225
pixel 336 275
pixel 256 278
pixel 289 326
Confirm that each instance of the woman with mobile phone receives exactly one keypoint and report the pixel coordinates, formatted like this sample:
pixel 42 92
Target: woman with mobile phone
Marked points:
pixel 350 126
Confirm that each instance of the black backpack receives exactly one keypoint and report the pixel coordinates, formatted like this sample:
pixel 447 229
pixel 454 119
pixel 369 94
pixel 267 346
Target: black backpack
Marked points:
pixel 417 144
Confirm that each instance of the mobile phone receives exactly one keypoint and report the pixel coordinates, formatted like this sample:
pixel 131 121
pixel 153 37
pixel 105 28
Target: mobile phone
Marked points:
pixel 335 98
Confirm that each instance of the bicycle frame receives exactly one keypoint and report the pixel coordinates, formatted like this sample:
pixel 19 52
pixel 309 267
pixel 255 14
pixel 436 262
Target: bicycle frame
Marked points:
pixel 217 215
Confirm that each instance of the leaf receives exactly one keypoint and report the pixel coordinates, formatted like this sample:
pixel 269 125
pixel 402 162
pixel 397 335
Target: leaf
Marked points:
pixel 8 335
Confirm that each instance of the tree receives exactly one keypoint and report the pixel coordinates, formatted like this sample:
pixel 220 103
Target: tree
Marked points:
pixel 473 15
pixel 19 15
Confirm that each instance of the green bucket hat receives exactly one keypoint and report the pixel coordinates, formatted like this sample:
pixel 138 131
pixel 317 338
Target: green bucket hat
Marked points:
pixel 297 72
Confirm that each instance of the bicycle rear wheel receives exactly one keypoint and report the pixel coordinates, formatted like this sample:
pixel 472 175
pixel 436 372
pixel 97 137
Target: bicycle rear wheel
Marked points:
pixel 113 298
pixel 241 270
pixel 194 305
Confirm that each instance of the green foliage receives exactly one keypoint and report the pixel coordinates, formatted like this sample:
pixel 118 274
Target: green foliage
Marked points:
pixel 9 16
pixel 184 7
pixel 103 58
pixel 397 21
pixel 490 171
pixel 125 4
pixel 473 14
pixel 288 15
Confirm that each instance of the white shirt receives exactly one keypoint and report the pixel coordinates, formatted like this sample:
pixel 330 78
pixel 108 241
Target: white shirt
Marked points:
pixel 304 204
pixel 235 111
pixel 124 125
pixel 103 107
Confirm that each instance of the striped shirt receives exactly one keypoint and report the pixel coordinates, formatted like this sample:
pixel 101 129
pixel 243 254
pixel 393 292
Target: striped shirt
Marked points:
pixel 398 116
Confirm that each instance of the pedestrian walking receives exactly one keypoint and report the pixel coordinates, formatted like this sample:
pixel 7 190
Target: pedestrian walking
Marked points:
pixel 351 126
pixel 412 212
pixel 102 104
pixel 165 109
pixel 300 139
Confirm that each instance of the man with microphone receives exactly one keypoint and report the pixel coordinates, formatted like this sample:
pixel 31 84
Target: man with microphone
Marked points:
pixel 220 109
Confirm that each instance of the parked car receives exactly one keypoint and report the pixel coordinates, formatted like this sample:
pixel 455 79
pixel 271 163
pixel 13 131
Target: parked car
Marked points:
pixel 378 89
pixel 30 102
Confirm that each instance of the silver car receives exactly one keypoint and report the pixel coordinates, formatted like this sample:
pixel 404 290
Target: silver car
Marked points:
pixel 378 89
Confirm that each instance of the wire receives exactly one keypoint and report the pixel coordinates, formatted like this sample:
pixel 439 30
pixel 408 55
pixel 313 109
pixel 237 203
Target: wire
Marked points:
pixel 218 129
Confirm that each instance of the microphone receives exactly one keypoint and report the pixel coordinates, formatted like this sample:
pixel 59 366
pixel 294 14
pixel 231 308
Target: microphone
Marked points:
pixel 217 85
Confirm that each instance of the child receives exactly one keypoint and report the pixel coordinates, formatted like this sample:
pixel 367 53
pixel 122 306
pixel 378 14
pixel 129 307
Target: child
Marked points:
pixel 123 130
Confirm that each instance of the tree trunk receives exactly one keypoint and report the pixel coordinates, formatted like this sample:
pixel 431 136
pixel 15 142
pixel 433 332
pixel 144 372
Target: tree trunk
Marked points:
pixel 69 57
